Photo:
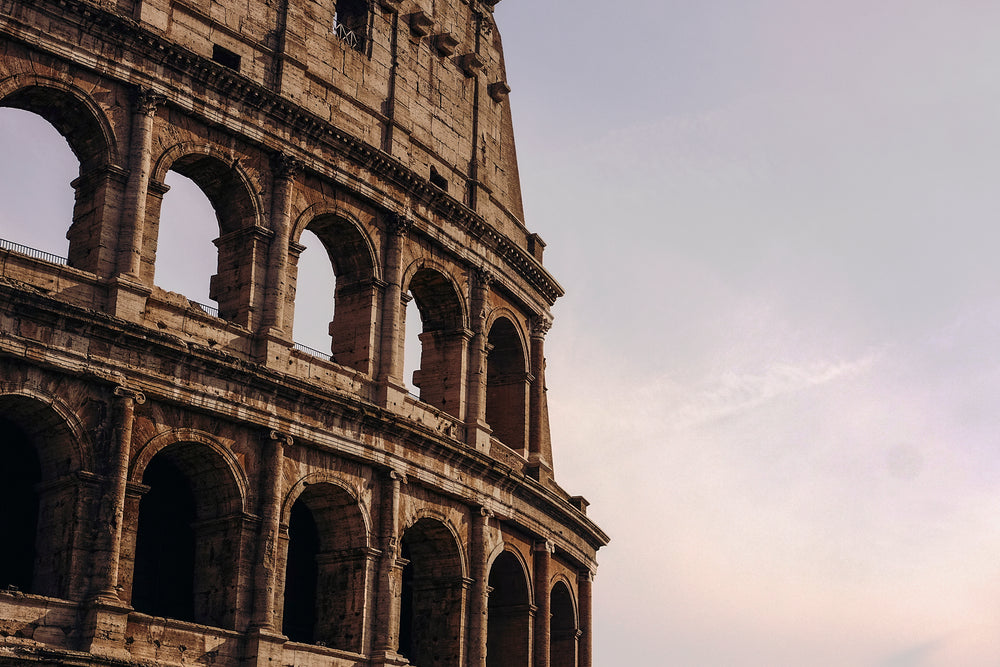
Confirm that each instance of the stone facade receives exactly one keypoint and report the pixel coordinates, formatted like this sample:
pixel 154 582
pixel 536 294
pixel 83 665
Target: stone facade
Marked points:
pixel 187 486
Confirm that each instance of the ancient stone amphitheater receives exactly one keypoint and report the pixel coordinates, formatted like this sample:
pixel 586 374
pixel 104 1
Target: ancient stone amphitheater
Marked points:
pixel 183 484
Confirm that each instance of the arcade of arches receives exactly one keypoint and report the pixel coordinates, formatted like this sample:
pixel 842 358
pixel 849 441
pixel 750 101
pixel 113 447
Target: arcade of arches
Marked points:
pixel 186 483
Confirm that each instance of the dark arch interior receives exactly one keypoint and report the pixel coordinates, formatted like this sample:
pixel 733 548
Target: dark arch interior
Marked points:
pixel 506 386
pixel 509 614
pixel 189 537
pixel 431 605
pixel 301 575
pixel 563 645
pixel 163 583
pixel 325 569
pixel 19 500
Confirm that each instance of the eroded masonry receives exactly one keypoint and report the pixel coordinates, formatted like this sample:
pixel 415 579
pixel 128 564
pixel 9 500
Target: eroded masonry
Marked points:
pixel 183 483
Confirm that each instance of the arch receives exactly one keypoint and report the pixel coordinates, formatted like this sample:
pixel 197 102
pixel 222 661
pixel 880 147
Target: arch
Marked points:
pixel 352 257
pixel 508 636
pixel 507 383
pixel 436 291
pixel 39 451
pixel 432 594
pixel 91 227
pixel 189 534
pixel 226 462
pixel 564 627
pixel 236 202
pixel 444 338
pixel 55 423
pixel 326 565
pixel 70 110
pixel 361 255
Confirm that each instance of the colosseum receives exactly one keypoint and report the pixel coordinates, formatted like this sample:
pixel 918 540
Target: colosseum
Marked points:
pixel 184 483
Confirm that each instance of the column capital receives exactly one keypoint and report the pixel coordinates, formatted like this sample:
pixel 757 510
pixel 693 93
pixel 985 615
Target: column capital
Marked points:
pixel 397 225
pixel 482 277
pixel 283 439
pixel 396 475
pixel 547 546
pixel 286 167
pixel 121 391
pixel 147 101
pixel 540 325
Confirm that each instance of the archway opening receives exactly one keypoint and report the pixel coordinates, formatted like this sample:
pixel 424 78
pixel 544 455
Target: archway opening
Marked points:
pixel 186 256
pixel 19 499
pixel 301 576
pixel 326 569
pixel 440 377
pixel 206 202
pixel 189 537
pixel 40 496
pixel 507 386
pixel 508 641
pixel 36 209
pixel 163 583
pixel 315 287
pixel 335 293
pixel 563 630
pixel 432 596
pixel 39 210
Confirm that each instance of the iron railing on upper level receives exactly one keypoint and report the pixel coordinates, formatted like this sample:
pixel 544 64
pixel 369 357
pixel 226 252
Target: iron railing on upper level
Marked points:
pixel 34 253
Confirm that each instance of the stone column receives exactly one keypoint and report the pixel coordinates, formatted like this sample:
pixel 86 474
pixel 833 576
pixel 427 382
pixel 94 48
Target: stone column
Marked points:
pixel 539 440
pixel 543 634
pixel 585 584
pixel 265 570
pixel 134 208
pixel 390 359
pixel 387 598
pixel 285 169
pixel 477 431
pixel 478 605
pixel 120 454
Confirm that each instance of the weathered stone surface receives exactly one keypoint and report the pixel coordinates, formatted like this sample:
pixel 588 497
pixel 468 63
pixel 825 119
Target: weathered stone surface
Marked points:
pixel 190 487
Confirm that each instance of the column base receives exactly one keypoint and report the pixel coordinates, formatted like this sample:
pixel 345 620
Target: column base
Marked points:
pixel 104 628
pixel 388 659
pixel 264 647
pixel 127 298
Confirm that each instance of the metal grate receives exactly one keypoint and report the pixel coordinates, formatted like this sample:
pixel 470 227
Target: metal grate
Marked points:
pixel 34 253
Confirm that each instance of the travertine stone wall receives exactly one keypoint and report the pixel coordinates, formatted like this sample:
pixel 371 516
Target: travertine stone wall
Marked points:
pixel 190 486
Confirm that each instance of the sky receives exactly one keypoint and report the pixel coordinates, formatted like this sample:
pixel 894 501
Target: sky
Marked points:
pixel 776 370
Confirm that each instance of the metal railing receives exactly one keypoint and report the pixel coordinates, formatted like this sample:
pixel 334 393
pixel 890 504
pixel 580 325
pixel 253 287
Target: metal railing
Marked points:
pixel 34 253
pixel 211 310
pixel 311 351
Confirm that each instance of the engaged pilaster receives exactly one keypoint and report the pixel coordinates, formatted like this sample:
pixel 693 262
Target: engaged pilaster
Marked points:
pixel 391 388
pixel 477 431
pixel 265 570
pixel 539 438
pixel 543 627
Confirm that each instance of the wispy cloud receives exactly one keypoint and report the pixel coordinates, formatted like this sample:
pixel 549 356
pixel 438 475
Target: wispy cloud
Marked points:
pixel 736 392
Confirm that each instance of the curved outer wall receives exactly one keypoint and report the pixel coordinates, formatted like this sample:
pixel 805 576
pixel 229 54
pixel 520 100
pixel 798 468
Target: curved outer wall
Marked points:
pixel 191 485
